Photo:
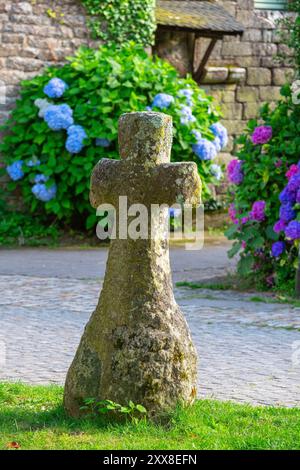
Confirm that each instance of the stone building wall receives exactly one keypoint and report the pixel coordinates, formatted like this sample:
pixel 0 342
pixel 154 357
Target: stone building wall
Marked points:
pixel 260 77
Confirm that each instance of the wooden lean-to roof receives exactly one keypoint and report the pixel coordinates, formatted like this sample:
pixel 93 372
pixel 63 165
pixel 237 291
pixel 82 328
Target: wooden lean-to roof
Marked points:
pixel 204 17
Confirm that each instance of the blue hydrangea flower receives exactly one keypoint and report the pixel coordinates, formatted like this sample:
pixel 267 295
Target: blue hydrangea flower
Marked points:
pixel 59 117
pixel 287 196
pixel 175 212
pixel 102 142
pixel 205 149
pixel 217 144
pixel 42 105
pixel 55 88
pixel 196 134
pixel 287 212
pixel 15 170
pixel 76 136
pixel 163 101
pixel 188 94
pixel 294 183
pixel 292 231
pixel 220 131
pixel 277 249
pixel 42 193
pixel 216 171
pixel 186 115
pixel 148 108
pixel 40 179
pixel 33 162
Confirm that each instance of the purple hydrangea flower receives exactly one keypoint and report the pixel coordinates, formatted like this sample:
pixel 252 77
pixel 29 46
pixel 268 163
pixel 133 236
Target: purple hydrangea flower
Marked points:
pixel 221 132
pixel 42 193
pixel 216 171
pixel 55 88
pixel 258 211
pixel 205 149
pixel 262 135
pixel 279 226
pixel 15 170
pixel 76 136
pixel 234 171
pixel 244 220
pixel 163 101
pixel 59 117
pixel 287 212
pixel 298 196
pixel 277 249
pixel 102 142
pixel 292 231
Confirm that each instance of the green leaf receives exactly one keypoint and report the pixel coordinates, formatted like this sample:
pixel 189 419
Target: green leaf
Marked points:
pixel 245 265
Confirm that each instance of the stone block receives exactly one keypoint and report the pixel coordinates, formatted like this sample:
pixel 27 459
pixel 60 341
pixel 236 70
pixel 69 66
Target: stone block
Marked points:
pixel 240 49
pixel 259 76
pixel 247 94
pixel 283 75
pixel 269 93
pixel 236 75
pixel 215 75
pixel 232 111
pixel 251 110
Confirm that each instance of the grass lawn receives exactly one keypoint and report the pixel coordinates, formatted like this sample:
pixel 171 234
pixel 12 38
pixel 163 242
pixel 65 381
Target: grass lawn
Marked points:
pixel 34 418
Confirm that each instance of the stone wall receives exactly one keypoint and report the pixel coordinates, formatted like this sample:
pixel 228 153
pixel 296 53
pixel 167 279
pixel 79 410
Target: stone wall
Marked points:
pixel 35 34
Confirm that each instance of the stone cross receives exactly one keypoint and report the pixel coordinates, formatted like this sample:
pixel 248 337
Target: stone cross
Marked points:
pixel 137 345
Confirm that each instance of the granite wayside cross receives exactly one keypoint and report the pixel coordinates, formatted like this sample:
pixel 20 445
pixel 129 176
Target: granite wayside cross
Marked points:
pixel 137 345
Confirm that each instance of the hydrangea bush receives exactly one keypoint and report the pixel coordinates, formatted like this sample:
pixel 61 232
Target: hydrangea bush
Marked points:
pixel 67 119
pixel 265 194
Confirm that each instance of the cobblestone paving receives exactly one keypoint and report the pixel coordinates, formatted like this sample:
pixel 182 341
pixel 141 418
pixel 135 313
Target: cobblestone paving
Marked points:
pixel 249 351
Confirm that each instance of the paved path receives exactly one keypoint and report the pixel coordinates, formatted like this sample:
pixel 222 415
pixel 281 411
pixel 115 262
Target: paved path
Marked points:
pixel 249 351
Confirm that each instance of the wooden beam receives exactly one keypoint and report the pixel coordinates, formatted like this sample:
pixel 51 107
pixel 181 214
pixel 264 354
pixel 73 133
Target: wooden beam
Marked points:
pixel 199 73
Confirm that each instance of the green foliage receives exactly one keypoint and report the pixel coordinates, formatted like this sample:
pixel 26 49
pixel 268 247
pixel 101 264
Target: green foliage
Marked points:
pixel 16 228
pixel 107 406
pixel 103 84
pixel 264 169
pixel 34 418
pixel 120 21
pixel 290 34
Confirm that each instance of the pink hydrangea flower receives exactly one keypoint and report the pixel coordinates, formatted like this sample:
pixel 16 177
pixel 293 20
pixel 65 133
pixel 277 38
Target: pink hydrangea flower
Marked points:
pixel 292 171
pixel 262 135
pixel 278 163
pixel 232 214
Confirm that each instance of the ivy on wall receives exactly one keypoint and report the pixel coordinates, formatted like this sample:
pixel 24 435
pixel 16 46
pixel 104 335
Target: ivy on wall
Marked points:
pixel 120 21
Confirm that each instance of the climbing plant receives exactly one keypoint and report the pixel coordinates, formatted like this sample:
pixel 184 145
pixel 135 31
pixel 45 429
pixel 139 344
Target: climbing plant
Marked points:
pixel 120 21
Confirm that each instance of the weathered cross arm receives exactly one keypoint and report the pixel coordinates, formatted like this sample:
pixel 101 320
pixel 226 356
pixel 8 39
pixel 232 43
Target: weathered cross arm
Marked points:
pixel 182 184
pixel 103 179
